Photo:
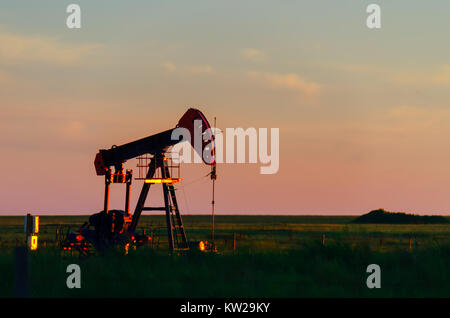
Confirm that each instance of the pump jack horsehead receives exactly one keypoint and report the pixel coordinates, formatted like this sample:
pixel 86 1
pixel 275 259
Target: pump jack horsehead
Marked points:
pixel 110 228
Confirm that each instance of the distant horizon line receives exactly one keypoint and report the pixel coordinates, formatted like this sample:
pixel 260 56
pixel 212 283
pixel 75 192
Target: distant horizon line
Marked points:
pixel 218 214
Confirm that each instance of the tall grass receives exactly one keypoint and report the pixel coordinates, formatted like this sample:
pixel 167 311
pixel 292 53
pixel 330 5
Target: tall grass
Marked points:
pixel 274 257
pixel 334 270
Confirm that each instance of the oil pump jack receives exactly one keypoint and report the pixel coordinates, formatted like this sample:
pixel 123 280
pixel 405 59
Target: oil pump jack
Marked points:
pixel 110 228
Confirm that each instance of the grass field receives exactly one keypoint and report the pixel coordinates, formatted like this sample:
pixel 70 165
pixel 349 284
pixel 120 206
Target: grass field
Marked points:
pixel 274 256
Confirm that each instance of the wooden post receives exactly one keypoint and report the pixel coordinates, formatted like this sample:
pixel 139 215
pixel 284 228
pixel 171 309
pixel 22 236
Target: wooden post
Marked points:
pixel 28 227
pixel 323 239
pixel 56 236
pixel 234 242
pixel 410 242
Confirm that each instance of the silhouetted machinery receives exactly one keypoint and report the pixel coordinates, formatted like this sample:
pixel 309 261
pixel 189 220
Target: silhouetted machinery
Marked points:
pixel 110 228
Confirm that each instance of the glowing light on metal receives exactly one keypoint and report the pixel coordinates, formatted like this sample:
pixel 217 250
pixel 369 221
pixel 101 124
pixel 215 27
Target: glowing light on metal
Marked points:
pixel 159 180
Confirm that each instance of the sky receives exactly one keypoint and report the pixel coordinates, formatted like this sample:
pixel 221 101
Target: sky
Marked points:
pixel 363 113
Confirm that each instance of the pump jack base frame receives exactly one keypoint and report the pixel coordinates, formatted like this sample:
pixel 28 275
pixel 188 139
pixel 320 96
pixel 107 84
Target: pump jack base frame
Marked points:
pixel 175 230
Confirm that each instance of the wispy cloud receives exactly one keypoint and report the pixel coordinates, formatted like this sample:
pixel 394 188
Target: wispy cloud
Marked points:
pixel 4 78
pixel 409 122
pixel 72 129
pixel 442 76
pixel 254 55
pixel 290 81
pixel 16 48
pixel 191 69
pixel 438 77
pixel 362 68
pixel 169 67
pixel 199 69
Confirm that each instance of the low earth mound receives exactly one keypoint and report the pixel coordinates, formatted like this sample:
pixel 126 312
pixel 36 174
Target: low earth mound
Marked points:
pixel 381 216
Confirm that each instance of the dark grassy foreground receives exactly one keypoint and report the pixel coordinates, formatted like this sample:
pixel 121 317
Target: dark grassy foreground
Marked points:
pixel 275 257
pixel 315 271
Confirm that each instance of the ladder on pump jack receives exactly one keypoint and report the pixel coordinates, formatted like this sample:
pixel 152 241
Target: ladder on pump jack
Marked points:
pixel 176 234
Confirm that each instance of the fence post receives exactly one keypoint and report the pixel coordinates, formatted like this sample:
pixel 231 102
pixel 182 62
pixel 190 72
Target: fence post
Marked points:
pixel 234 242
pixel 323 239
